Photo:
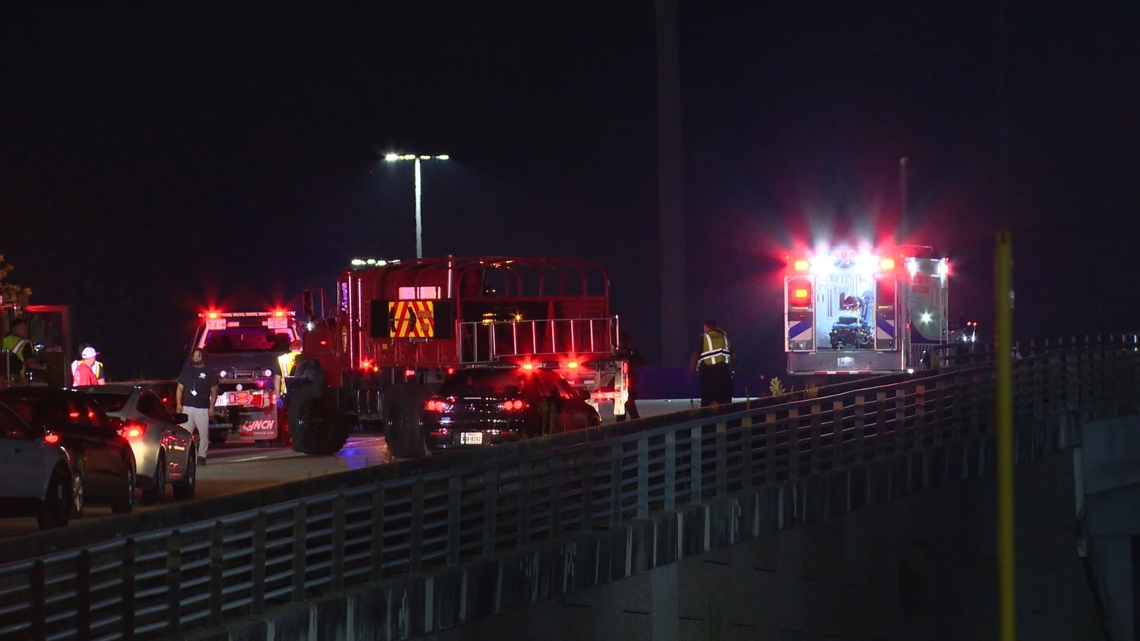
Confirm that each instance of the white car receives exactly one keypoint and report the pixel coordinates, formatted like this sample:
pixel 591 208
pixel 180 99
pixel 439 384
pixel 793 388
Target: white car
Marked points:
pixel 35 474
pixel 165 452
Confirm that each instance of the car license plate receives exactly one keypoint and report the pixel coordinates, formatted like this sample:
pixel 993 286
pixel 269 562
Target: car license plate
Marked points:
pixel 470 438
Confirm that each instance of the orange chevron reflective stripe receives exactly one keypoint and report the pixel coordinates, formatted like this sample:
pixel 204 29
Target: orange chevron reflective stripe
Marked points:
pixel 411 319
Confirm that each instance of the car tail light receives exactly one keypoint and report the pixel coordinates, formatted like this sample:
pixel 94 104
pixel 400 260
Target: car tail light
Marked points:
pixel 436 405
pixel 515 405
pixel 51 439
pixel 133 429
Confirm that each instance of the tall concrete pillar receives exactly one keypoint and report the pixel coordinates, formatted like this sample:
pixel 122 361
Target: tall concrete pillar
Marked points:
pixel 671 191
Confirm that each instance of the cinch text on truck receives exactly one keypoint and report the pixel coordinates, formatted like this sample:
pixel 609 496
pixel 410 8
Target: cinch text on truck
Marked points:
pixel 400 328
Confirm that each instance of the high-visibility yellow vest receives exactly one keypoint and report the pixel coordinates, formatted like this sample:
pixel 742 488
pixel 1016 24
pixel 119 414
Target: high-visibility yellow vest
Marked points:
pixel 285 362
pixel 12 345
pixel 716 349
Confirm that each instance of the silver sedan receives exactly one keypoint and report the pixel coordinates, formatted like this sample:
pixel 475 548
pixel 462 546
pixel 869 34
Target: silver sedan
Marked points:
pixel 165 452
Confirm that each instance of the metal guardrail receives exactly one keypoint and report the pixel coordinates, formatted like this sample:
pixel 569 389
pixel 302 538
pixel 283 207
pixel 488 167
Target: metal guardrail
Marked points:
pixel 166 582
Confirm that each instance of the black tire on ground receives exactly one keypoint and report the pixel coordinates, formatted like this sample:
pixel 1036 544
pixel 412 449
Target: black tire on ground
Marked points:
pixel 56 504
pixel 78 491
pixel 315 430
pixel 123 500
pixel 184 489
pixel 157 489
pixel 403 432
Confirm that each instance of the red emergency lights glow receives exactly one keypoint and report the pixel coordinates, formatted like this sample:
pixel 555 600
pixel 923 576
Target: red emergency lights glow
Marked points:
pixel 572 364
pixel 51 439
pixel 409 373
pixel 801 265
pixel 212 315
pixel 800 293
pixel 887 264
pixel 279 313
pixel 514 405
pixel 528 366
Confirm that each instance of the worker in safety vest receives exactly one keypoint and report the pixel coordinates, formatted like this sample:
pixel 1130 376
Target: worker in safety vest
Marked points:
pixel 713 359
pixel 87 370
pixel 19 353
pixel 285 368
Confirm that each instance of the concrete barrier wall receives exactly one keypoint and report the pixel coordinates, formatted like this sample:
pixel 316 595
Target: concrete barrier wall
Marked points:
pixel 901 548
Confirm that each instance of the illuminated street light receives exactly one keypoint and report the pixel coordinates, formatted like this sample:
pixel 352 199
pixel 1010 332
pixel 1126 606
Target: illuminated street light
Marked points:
pixel 419 218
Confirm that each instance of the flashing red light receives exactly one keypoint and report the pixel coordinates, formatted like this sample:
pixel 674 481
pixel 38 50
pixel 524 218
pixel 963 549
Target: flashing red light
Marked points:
pixel 409 372
pixel 887 264
pixel 528 366
pixel 513 406
pixel 212 315
pixel 366 364
pixel 800 293
pixel 572 364
pixel 73 414
pixel 450 371
pixel 51 439
pixel 279 313
pixel 324 342
pixel 801 265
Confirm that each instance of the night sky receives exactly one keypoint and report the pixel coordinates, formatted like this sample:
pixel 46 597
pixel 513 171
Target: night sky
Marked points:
pixel 157 160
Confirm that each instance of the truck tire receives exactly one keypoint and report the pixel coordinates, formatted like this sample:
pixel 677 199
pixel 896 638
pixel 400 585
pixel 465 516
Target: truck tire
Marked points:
pixel 403 430
pixel 314 429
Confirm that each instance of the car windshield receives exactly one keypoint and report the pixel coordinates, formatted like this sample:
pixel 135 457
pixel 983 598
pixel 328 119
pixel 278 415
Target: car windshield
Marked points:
pixel 247 339
pixel 488 383
pixel 111 402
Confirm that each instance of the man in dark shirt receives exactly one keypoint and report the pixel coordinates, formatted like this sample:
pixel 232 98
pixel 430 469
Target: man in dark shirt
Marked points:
pixel 195 396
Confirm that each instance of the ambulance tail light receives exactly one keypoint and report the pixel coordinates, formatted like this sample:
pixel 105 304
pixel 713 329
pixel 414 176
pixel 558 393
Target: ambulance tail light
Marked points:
pixel 801 265
pixel 887 264
pixel 51 438
pixel 799 293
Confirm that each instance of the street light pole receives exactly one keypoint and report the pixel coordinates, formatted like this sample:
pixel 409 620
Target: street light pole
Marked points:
pixel 419 192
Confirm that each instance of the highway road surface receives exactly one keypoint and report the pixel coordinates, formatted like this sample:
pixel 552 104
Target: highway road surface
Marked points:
pixel 240 466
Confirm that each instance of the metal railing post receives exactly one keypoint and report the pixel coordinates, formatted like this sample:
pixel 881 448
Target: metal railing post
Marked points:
pixel 300 531
pixel 340 508
pixel 174 581
pixel 376 547
pixel 257 595
pixel 217 572
pixel 83 595
pixel 39 601
pixel 127 581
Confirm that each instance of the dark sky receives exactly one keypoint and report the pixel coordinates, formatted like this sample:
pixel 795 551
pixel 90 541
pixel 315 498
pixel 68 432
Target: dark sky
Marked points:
pixel 154 160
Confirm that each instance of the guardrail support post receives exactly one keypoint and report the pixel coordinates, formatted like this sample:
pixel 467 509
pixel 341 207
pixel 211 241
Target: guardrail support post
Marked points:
pixel 127 578
pixel 454 485
pixel 338 536
pixel 217 572
pixel 83 595
pixel 39 601
pixel 377 549
pixel 173 582
pixel 300 530
pixel 257 596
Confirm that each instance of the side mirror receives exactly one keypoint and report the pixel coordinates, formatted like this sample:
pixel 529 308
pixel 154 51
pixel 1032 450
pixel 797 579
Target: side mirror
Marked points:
pixel 180 418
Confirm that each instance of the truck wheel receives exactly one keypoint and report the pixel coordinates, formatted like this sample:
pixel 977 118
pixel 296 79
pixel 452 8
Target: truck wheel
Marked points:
pixel 403 432
pixel 315 431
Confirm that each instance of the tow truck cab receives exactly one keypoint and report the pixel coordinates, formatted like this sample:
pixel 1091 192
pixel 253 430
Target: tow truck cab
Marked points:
pixel 243 348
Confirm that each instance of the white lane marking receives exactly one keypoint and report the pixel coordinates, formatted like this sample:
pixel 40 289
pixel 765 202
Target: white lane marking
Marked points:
pixel 243 460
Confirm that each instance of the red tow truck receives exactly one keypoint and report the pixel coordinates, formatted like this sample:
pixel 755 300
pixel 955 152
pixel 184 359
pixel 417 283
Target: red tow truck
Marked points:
pixel 399 328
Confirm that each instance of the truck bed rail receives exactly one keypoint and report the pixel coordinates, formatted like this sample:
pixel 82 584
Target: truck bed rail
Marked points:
pixel 490 342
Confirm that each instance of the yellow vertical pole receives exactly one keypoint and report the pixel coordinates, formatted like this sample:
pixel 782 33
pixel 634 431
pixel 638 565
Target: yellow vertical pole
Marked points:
pixel 1007 595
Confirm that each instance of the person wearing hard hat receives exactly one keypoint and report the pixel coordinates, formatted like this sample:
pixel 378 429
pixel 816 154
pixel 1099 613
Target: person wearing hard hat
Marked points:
pixel 87 370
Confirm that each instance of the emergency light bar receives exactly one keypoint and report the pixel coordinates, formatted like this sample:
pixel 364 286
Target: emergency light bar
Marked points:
pixel 278 313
